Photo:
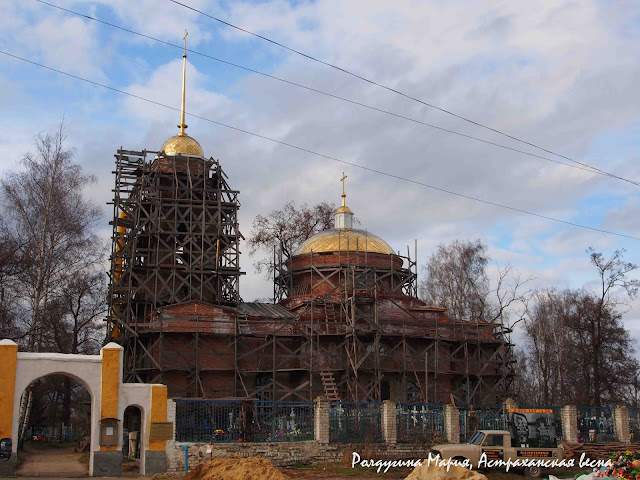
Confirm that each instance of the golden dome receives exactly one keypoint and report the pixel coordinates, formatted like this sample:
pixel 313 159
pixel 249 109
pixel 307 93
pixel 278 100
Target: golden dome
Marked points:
pixel 343 208
pixel 344 240
pixel 182 144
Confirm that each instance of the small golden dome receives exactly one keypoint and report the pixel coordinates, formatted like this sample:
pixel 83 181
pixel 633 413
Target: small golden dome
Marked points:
pixel 343 240
pixel 344 208
pixel 182 144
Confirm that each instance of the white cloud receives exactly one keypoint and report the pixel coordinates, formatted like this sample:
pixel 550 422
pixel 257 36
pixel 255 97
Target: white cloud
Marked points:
pixel 47 35
pixel 562 75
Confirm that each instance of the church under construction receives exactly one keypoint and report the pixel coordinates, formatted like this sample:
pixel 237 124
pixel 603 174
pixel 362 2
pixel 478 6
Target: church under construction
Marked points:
pixel 346 323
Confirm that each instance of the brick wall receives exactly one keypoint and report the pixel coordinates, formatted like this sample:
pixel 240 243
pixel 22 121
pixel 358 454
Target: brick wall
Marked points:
pixel 286 454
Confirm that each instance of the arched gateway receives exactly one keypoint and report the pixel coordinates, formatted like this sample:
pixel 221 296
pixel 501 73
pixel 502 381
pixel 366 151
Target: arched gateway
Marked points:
pixel 101 375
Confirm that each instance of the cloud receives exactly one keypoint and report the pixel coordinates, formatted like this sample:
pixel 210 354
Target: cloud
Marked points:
pixel 164 20
pixel 164 85
pixel 562 76
pixel 49 36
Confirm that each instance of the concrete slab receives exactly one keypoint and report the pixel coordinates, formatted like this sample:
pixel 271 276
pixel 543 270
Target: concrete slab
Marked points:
pixel 107 464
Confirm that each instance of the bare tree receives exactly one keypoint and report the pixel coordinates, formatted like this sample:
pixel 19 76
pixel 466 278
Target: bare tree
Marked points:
pixel 547 340
pixel 12 263
pixel 48 217
pixel 457 279
pixel 285 229
pixel 576 344
pixel 74 321
pixel 612 278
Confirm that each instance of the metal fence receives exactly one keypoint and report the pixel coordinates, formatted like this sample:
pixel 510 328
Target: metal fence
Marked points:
pixel 595 424
pixel 634 424
pixel 355 422
pixel 420 422
pixel 479 417
pixel 268 421
pixel 246 421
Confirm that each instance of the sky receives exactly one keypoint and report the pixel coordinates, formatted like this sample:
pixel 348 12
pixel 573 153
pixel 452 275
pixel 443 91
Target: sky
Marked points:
pixel 559 74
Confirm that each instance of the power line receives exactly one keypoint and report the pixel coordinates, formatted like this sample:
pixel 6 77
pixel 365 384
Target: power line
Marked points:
pixel 588 169
pixel 328 157
pixel 398 92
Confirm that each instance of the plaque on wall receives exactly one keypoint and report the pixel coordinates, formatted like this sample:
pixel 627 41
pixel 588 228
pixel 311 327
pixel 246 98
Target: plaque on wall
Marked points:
pixel 161 431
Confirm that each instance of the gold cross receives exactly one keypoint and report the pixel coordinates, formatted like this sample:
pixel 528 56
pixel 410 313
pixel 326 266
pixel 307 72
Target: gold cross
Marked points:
pixel 344 177
pixel 185 40
pixel 344 195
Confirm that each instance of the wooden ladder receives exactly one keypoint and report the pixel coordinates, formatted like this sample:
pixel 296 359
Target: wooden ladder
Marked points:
pixel 330 311
pixel 243 324
pixel 329 385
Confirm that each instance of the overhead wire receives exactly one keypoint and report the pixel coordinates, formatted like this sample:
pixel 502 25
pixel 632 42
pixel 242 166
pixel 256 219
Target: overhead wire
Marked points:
pixel 322 155
pixel 586 168
pixel 398 92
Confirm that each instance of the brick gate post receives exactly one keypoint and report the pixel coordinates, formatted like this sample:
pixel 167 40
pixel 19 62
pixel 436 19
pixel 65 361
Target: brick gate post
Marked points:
pixel 321 424
pixel 570 423
pixel 621 424
pixel 389 423
pixel 452 423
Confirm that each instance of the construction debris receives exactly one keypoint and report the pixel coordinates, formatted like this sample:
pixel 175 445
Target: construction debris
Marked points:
pixel 82 445
pixel 428 471
pixel 236 468
pixel 597 451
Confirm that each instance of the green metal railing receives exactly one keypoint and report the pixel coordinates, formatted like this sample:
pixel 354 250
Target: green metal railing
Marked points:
pixel 481 417
pixel 420 422
pixel 595 424
pixel 355 422
pixel 634 424
pixel 243 421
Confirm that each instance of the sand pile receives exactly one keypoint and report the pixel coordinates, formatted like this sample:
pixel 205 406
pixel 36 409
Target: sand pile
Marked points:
pixel 236 468
pixel 433 472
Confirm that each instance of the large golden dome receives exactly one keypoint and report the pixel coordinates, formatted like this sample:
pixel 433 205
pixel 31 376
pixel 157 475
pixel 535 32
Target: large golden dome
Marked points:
pixel 182 144
pixel 343 240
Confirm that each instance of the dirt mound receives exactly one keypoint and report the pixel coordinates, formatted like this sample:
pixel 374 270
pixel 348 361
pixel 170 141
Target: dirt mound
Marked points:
pixel 433 472
pixel 236 468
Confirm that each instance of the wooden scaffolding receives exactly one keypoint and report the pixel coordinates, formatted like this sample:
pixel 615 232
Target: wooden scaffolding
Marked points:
pixel 175 240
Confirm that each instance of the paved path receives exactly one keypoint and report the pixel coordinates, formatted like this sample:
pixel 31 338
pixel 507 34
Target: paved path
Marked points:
pixel 52 462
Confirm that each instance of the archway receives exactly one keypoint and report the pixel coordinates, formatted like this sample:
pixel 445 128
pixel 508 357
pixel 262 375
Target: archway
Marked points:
pixel 85 369
pixel 101 375
pixel 55 437
pixel 132 441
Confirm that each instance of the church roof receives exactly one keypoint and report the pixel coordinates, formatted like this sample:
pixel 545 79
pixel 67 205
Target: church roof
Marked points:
pixel 344 240
pixel 182 144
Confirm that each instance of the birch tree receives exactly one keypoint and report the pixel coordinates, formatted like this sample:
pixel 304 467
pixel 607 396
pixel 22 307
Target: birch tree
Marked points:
pixel 457 279
pixel 48 217
pixel 613 281
pixel 577 349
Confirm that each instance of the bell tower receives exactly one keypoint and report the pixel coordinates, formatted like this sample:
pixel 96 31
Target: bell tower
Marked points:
pixel 175 240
